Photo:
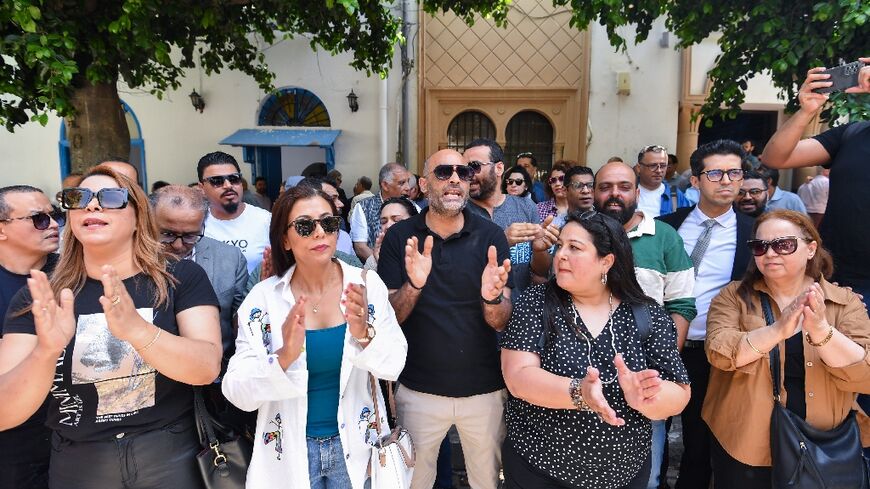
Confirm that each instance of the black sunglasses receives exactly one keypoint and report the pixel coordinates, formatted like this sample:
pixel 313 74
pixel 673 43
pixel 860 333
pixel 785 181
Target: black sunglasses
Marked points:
pixel 477 166
pixel 305 225
pixel 42 220
pixel 785 245
pixel 444 172
pixel 218 180
pixel 79 198
pixel 515 181
pixel 168 237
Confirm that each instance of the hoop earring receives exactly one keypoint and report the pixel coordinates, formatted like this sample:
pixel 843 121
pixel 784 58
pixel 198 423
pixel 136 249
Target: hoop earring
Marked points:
pixel 603 278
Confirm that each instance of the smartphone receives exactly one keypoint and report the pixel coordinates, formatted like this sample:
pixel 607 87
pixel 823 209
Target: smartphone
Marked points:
pixel 843 77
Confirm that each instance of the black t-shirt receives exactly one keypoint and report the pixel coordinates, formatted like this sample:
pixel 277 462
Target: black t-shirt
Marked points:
pixel 844 230
pixel 27 442
pixel 452 351
pixel 102 386
pixel 795 375
pixel 569 445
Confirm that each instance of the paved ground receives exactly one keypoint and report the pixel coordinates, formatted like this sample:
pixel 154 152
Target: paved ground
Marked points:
pixel 674 453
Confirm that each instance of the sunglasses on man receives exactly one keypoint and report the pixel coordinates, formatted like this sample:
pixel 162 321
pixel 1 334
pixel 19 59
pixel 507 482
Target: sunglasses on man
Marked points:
pixel 444 172
pixel 79 198
pixel 305 225
pixel 785 245
pixel 217 181
pixel 42 220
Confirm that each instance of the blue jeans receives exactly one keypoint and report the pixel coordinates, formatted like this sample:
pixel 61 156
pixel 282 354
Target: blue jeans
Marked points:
pixel 326 467
pixel 657 451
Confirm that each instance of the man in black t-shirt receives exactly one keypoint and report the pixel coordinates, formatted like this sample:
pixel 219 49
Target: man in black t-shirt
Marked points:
pixel 448 271
pixel 25 450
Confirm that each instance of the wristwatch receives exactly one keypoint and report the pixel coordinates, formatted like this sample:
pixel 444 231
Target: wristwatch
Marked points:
pixel 495 301
pixel 370 335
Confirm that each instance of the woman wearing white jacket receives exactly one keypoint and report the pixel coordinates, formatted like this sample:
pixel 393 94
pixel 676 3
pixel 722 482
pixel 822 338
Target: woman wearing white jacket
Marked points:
pixel 308 339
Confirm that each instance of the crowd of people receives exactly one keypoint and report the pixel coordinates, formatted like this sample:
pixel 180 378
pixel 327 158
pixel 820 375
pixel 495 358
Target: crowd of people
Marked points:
pixel 557 319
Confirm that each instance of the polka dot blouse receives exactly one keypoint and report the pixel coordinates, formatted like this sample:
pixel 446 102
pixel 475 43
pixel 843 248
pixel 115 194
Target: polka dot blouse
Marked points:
pixel 572 446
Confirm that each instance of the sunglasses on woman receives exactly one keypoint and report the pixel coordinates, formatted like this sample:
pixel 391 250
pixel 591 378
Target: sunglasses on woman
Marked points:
pixel 560 179
pixel 515 181
pixel 79 198
pixel 444 172
pixel 42 220
pixel 217 181
pixel 785 245
pixel 305 225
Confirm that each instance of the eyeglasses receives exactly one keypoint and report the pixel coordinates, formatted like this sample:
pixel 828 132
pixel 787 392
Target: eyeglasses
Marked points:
pixel 582 185
pixel 558 179
pixel 515 181
pixel 654 166
pixel 754 192
pixel 218 180
pixel 305 226
pixel 734 174
pixel 444 172
pixel 785 245
pixel 42 220
pixel 477 166
pixel 79 198
pixel 168 237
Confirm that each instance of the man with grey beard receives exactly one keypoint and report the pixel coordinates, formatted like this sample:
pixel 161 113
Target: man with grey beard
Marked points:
pixel 448 271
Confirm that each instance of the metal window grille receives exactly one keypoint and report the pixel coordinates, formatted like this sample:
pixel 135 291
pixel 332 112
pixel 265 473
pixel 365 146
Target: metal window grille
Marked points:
pixel 468 126
pixel 530 132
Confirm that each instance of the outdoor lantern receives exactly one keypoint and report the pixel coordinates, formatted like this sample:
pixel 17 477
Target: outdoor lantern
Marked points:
pixel 352 101
pixel 197 101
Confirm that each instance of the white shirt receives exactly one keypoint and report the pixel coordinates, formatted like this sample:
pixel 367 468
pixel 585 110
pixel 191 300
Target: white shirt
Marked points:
pixel 714 271
pixel 650 201
pixel 249 232
pixel 814 194
pixel 255 381
pixel 359 227
pixel 356 198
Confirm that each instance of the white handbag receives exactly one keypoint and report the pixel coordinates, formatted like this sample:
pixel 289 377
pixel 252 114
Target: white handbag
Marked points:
pixel 393 457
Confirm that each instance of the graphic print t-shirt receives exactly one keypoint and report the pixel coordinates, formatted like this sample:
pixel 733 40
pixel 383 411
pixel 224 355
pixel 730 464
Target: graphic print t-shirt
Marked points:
pixel 249 232
pixel 102 386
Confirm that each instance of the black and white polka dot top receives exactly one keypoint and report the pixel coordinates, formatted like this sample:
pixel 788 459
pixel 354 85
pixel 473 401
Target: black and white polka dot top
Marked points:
pixel 572 446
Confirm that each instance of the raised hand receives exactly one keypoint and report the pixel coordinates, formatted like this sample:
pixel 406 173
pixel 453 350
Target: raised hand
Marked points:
pixel 293 334
pixel 380 239
pixel 356 309
pixel 790 317
pixel 863 79
pixel 494 277
pixel 266 265
pixel 639 388
pixel 548 236
pixel 521 232
pixel 123 320
pixel 593 393
pixel 814 321
pixel 55 323
pixel 418 265
pixel 809 100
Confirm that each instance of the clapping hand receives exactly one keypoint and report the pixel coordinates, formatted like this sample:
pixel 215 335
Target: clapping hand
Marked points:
pixel 418 265
pixel 789 317
pixel 293 334
pixel 639 388
pixel 376 251
pixel 593 393
pixel 549 234
pixel 814 321
pixel 356 310
pixel 266 264
pixel 521 232
pixel 124 322
pixel 55 323
pixel 494 277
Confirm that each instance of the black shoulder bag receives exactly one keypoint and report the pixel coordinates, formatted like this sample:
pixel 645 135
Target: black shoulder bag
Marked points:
pixel 805 457
pixel 225 456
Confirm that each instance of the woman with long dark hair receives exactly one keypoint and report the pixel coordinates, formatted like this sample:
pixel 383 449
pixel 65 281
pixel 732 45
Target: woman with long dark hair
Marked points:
pixel 309 339
pixel 589 360
pixel 141 331
pixel 557 204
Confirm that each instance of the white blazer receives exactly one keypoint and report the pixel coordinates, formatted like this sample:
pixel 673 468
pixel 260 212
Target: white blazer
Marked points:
pixel 254 380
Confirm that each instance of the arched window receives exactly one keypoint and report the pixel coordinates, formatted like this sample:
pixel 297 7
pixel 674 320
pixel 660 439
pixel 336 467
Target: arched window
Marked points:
pixel 293 107
pixel 137 147
pixel 530 132
pixel 468 126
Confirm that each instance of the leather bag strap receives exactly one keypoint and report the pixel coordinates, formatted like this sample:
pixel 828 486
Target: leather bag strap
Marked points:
pixel 774 352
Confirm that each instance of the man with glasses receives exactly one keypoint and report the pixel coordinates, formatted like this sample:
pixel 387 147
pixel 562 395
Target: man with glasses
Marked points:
pixel 28 241
pixel 230 220
pixel 448 271
pixel 752 196
pixel 715 238
pixel 530 164
pixel 778 198
pixel 580 184
pixel 517 216
pixel 657 197
pixel 365 219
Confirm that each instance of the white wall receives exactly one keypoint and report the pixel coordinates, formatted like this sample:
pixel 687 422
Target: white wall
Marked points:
pixel 622 124
pixel 176 135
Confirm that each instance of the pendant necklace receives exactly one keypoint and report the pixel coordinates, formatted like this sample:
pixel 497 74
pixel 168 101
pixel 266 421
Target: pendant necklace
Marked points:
pixel 581 334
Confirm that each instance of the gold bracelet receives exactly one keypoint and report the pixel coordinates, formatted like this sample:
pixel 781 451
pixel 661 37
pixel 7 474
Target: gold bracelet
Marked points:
pixel 154 340
pixel 824 341
pixel 753 346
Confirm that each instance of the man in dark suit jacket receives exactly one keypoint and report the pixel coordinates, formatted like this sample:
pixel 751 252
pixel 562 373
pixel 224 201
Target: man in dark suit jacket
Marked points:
pixel 715 239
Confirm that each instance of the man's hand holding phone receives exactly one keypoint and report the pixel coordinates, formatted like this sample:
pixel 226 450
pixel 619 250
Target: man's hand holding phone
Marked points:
pixel 863 85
